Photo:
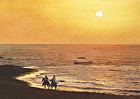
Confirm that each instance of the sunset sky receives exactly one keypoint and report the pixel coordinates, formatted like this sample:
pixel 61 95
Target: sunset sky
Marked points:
pixel 69 22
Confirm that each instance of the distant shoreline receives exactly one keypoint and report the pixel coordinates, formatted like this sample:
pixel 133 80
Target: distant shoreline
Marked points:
pixel 15 89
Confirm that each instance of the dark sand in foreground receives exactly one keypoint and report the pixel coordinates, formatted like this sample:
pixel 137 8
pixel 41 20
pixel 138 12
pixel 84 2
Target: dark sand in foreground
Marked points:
pixel 11 88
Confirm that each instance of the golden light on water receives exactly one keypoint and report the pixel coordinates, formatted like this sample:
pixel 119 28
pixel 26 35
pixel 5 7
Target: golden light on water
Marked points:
pixel 29 78
pixel 73 84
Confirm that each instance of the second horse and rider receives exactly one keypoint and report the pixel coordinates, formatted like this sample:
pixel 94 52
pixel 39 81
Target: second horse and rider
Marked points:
pixel 50 83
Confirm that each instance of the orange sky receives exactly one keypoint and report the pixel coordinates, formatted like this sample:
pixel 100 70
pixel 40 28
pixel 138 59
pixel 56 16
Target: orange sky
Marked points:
pixel 69 22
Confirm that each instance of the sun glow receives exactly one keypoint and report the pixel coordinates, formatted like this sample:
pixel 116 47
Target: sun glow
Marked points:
pixel 70 22
pixel 99 14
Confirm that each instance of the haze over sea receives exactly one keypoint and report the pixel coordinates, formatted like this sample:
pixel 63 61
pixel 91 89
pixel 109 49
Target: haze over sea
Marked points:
pixel 115 68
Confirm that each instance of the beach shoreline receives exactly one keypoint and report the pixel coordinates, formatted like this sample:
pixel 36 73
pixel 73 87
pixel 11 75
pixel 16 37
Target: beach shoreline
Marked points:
pixel 11 88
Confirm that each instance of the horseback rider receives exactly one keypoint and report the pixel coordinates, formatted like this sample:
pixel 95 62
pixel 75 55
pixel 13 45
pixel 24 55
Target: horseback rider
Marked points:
pixel 53 79
pixel 45 81
pixel 46 78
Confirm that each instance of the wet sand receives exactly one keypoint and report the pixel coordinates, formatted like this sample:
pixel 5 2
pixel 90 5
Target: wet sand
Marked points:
pixel 10 88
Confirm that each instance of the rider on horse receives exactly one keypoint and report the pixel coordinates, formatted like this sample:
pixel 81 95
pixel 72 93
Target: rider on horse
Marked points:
pixel 46 78
pixel 45 81
pixel 53 80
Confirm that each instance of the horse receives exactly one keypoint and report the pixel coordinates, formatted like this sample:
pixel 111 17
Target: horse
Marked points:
pixel 53 84
pixel 46 82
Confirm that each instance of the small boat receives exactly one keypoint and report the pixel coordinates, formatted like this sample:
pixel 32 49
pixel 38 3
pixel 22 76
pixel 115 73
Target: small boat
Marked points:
pixel 81 58
pixel 88 62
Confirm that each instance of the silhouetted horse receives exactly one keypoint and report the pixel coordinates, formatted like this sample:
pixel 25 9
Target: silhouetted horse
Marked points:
pixel 46 82
pixel 53 84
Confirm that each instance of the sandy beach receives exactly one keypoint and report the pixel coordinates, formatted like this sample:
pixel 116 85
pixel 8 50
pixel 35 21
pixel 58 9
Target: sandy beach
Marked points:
pixel 10 88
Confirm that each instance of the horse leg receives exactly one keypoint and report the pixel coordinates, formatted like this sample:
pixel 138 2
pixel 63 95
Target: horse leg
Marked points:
pixel 45 86
pixel 48 86
pixel 51 85
pixel 55 86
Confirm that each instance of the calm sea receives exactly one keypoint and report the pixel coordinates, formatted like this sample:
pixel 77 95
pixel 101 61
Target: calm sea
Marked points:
pixel 115 68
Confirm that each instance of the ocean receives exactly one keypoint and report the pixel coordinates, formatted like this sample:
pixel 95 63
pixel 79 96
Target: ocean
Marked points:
pixel 115 69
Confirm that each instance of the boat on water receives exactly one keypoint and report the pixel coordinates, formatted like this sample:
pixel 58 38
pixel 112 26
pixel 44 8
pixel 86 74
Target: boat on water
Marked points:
pixel 82 60
pixel 89 62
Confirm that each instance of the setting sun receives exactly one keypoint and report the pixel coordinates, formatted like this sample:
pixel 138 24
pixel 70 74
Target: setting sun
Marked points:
pixel 99 14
